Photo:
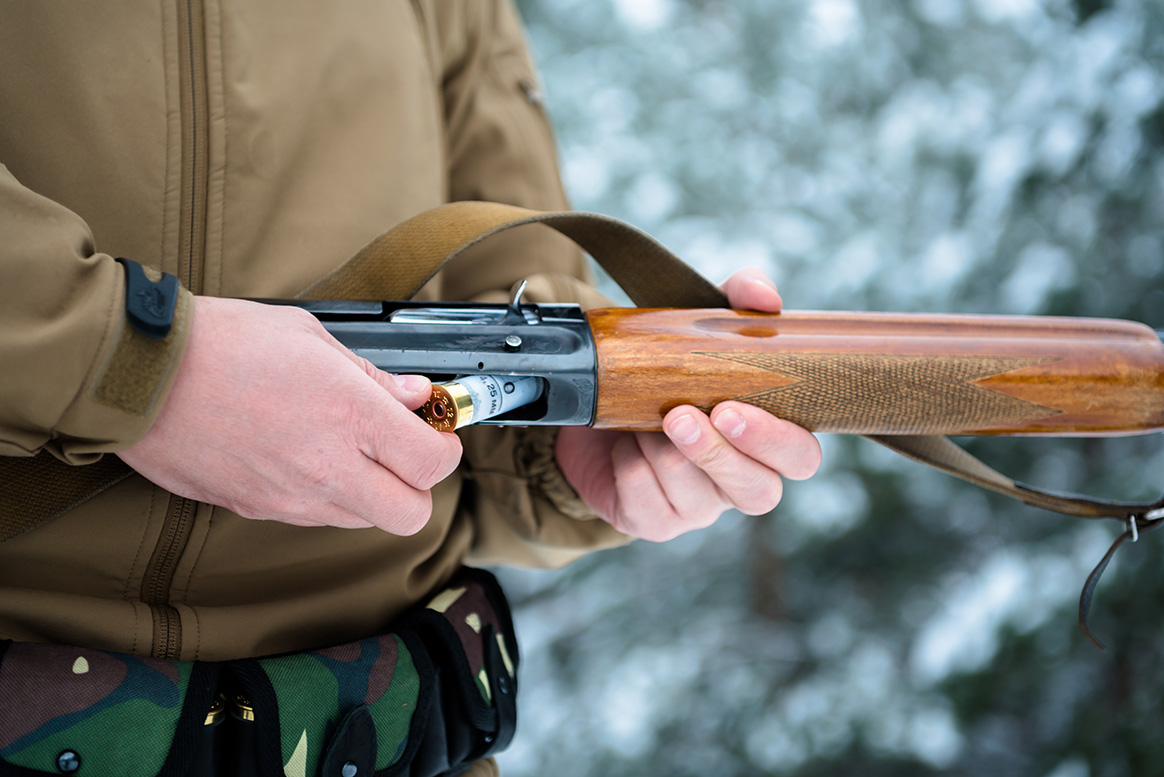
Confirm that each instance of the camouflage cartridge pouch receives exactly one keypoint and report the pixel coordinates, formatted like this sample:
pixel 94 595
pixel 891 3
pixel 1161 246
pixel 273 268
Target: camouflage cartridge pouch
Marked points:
pixel 426 699
pixel 435 694
pixel 66 710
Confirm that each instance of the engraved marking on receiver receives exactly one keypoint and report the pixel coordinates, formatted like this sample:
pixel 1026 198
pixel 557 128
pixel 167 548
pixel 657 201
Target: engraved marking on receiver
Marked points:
pixel 890 393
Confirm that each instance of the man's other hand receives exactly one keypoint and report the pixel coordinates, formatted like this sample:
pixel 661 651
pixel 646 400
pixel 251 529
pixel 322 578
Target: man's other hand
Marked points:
pixel 657 485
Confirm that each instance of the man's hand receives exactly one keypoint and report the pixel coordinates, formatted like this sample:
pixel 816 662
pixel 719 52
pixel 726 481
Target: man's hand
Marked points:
pixel 272 418
pixel 656 486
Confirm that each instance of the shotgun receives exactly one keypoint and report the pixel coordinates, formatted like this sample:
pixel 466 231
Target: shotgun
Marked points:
pixel 906 381
pixel 894 377
pixel 853 373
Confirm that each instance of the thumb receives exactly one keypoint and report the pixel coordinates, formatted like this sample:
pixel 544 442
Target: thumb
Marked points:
pixel 412 391
pixel 751 289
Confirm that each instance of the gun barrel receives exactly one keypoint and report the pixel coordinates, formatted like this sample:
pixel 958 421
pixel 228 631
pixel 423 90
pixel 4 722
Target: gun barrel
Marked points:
pixel 876 373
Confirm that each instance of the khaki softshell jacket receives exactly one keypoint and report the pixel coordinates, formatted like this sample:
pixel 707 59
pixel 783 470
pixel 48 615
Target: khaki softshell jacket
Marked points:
pixel 249 149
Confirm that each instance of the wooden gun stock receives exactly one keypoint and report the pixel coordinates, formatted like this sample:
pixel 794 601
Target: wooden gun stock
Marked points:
pixel 870 373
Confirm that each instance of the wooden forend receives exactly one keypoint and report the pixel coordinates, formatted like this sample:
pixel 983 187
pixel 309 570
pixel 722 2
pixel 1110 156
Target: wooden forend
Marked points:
pixel 877 373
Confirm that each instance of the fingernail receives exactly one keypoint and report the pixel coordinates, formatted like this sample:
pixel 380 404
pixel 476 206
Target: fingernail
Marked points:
pixel 730 423
pixel 683 430
pixel 767 285
pixel 411 383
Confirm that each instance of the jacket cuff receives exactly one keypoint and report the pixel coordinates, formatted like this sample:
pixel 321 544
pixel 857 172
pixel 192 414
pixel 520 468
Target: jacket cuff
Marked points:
pixel 526 513
pixel 128 388
pixel 534 459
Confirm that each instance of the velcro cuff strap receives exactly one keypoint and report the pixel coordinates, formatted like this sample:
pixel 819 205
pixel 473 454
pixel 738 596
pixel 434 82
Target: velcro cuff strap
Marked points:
pixel 149 304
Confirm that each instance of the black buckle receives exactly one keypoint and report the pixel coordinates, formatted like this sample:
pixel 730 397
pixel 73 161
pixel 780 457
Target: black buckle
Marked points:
pixel 149 305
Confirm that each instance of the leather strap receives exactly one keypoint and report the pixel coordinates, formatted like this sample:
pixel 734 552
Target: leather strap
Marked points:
pixel 395 266
pixel 400 261
pixel 943 454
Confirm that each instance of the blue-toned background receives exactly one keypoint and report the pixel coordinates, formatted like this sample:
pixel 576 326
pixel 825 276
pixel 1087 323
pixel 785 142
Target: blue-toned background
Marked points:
pixel 993 156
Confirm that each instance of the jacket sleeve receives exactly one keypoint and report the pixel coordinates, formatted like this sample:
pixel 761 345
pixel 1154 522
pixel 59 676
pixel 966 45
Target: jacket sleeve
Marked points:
pixel 75 378
pixel 501 149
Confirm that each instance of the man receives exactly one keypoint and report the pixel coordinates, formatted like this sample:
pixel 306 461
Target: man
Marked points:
pixel 249 150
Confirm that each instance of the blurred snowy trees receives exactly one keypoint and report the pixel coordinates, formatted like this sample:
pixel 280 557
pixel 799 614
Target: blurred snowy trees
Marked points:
pixel 1001 156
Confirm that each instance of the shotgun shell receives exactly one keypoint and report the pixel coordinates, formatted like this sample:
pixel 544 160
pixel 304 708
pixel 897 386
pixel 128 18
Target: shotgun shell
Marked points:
pixel 216 712
pixel 241 708
pixel 475 398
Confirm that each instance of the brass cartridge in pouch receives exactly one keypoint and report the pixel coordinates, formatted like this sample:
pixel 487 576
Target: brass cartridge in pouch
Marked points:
pixel 240 749
pixel 242 709
pixel 217 711
pixel 208 750
pixel 476 398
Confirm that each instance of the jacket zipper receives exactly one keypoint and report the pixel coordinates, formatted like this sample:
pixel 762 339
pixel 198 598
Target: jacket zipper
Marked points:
pixel 155 589
pixel 195 142
pixel 179 520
